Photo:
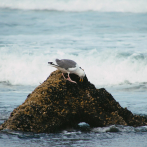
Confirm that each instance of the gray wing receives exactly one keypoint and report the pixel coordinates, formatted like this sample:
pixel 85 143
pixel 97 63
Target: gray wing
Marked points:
pixel 66 63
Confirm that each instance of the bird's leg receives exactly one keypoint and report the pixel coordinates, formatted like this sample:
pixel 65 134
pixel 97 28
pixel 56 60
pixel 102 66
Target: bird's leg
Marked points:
pixel 69 79
pixel 63 76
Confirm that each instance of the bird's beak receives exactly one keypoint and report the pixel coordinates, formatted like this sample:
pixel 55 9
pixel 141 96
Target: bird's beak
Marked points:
pixel 81 79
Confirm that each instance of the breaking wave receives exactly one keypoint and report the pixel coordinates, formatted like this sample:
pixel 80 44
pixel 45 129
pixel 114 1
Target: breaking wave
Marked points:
pixel 101 67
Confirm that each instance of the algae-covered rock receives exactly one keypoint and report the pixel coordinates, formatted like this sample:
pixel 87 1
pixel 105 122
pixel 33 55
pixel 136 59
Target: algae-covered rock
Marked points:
pixel 57 104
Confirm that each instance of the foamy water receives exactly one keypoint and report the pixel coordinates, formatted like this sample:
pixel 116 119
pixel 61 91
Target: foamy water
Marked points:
pixel 101 67
pixel 107 60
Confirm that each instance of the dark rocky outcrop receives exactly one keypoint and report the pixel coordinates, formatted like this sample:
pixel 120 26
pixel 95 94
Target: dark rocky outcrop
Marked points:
pixel 57 104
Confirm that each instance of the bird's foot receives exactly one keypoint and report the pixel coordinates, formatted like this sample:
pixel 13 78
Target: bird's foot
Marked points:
pixel 71 80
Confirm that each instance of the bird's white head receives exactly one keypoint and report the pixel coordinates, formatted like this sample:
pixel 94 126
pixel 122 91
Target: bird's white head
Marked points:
pixel 81 73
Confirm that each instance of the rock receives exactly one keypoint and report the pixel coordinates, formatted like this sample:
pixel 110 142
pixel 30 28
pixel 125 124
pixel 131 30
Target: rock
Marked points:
pixel 57 104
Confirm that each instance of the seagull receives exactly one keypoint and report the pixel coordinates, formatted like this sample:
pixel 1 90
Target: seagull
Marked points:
pixel 68 66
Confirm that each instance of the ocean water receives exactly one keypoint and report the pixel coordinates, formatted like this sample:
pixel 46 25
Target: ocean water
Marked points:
pixel 108 39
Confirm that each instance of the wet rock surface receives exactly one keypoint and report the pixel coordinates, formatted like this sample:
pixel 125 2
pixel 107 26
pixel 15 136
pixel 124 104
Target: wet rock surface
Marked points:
pixel 58 104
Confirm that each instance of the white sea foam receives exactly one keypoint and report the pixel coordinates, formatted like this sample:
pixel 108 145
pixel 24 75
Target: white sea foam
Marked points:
pixel 119 128
pixel 135 6
pixel 101 67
